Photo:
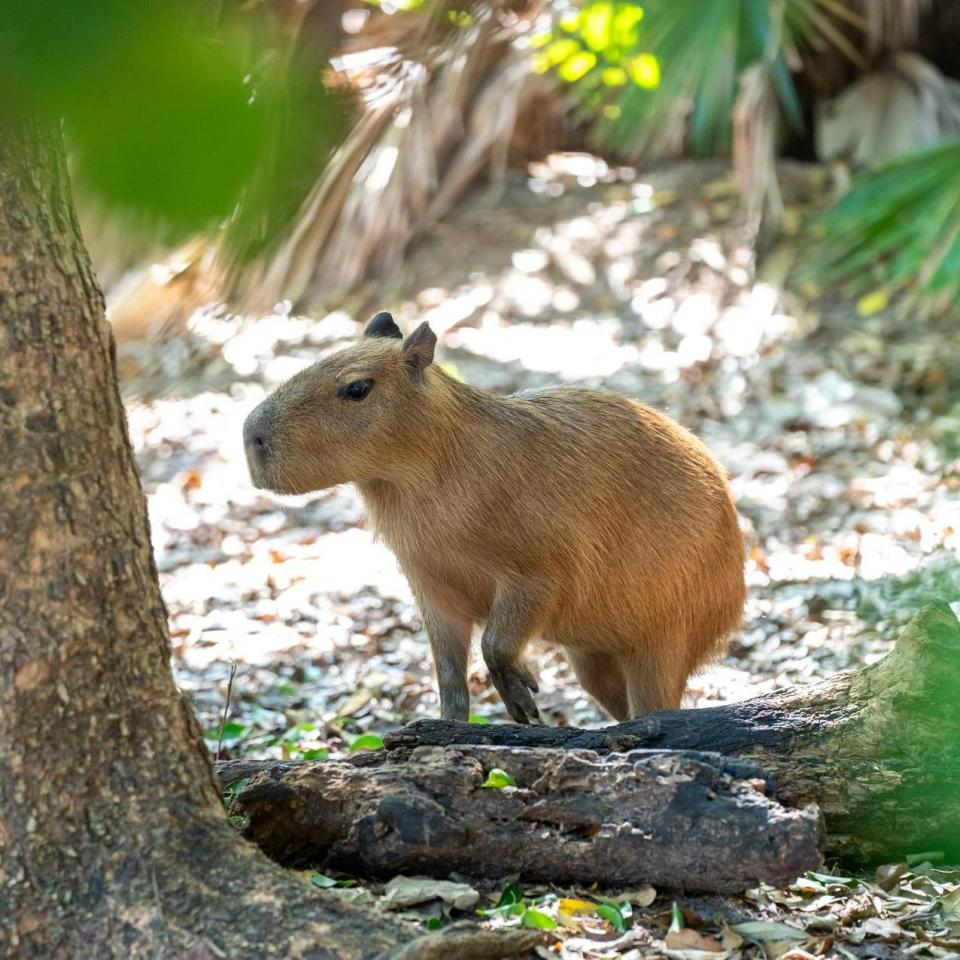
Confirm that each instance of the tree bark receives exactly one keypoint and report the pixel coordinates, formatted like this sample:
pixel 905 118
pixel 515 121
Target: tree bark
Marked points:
pixel 688 821
pixel 877 750
pixel 113 840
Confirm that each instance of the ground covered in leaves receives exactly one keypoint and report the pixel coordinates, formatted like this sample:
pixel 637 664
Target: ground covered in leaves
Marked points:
pixel 836 419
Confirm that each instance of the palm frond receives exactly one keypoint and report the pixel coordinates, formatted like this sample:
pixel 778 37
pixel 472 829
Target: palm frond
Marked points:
pixel 695 53
pixel 896 229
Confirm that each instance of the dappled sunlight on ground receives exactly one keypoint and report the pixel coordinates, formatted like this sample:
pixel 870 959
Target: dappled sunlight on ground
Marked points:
pixel 840 462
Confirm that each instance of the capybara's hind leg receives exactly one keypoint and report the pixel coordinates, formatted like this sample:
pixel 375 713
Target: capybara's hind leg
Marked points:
pixel 651 686
pixel 601 675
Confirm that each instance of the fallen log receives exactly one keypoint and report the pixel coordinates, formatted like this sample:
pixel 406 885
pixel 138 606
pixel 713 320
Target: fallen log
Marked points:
pixel 878 750
pixel 686 820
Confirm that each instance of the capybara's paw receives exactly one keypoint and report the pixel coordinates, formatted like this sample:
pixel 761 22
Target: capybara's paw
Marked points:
pixel 528 678
pixel 513 685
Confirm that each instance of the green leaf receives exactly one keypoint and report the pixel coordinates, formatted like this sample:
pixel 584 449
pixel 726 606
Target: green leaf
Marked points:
pixel 676 918
pixel 322 880
pixel 497 779
pixel 369 741
pixel 478 718
pixel 829 879
pixel 434 923
pixel 510 894
pixel 895 232
pixel 612 914
pixel 233 730
pixel 537 920
pixel 231 790
pixel 317 754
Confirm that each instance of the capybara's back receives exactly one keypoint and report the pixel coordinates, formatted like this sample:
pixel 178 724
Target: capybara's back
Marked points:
pixel 578 515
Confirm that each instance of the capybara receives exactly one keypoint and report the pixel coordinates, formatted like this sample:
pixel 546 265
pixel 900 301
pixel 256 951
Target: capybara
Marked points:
pixel 577 515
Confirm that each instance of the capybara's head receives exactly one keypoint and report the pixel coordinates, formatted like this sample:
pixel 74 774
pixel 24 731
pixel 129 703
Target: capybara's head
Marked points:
pixel 345 418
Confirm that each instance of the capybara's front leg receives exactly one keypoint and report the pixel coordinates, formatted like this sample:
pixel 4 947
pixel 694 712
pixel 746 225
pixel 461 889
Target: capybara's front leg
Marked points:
pixel 514 618
pixel 450 644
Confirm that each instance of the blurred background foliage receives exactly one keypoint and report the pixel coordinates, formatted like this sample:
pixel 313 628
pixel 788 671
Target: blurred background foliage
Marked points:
pixel 295 148
pixel 176 111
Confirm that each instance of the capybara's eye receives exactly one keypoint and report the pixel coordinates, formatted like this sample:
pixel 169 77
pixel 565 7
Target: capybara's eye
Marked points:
pixel 358 389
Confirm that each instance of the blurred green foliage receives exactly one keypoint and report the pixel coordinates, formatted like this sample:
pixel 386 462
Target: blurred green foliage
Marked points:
pixel 174 111
pixel 598 47
pixel 637 66
pixel 898 227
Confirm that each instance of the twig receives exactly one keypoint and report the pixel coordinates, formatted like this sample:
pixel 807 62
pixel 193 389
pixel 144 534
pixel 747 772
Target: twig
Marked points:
pixel 226 705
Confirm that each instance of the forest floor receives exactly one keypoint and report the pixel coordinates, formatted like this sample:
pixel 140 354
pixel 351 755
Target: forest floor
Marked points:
pixel 837 419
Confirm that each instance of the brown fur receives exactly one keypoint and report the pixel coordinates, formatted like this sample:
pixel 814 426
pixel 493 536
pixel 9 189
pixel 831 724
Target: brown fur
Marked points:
pixel 574 514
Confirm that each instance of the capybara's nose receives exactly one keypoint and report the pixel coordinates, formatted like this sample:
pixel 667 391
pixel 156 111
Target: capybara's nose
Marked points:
pixel 256 432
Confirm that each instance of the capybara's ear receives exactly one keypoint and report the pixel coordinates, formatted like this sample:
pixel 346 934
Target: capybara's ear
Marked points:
pixel 419 346
pixel 382 325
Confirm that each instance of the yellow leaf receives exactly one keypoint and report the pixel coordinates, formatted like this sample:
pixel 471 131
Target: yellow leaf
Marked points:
pixel 614 76
pixel 573 68
pixel 577 908
pixel 645 70
pixel 871 303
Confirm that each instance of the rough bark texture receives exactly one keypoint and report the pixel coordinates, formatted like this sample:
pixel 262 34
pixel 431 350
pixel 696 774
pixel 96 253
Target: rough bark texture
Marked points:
pixel 113 839
pixel 878 749
pixel 671 819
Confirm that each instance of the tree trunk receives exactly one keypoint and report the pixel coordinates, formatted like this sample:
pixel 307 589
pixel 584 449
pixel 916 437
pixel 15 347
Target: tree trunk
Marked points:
pixel 113 838
pixel 877 750
pixel 686 821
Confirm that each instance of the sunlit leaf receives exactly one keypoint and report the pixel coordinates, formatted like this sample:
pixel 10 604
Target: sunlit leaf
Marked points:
pixel 577 908
pixel 537 920
pixel 577 65
pixel 614 76
pixel 497 779
pixel 368 741
pixel 644 70
pixel 596 24
pixel 556 52
pixel 871 303
pixel 322 880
